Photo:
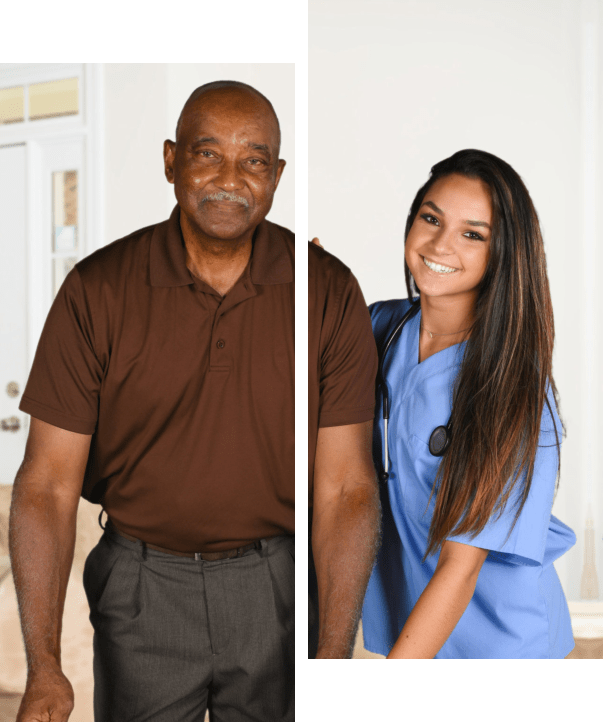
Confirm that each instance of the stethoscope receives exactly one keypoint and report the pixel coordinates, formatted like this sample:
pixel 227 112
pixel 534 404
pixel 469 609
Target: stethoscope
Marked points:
pixel 441 436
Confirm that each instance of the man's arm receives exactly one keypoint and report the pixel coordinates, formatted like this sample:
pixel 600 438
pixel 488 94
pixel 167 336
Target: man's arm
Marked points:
pixel 41 540
pixel 345 532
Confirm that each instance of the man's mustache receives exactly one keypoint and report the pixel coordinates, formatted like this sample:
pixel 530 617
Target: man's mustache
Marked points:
pixel 224 196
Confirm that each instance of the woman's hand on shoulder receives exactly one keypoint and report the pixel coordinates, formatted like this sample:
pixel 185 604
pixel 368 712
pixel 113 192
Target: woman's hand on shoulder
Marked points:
pixel 316 242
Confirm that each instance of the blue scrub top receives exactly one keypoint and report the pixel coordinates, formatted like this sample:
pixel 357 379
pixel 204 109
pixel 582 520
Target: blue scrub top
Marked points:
pixel 518 610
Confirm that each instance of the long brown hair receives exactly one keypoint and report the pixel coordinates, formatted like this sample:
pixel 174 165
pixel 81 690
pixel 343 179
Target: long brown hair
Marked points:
pixel 501 388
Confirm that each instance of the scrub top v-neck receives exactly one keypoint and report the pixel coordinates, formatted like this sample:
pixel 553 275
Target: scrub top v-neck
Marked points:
pixel 518 609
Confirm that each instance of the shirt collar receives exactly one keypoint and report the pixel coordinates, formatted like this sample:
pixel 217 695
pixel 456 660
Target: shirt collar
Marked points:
pixel 271 257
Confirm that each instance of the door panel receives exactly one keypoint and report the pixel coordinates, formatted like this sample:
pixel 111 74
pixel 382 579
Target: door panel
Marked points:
pixel 13 310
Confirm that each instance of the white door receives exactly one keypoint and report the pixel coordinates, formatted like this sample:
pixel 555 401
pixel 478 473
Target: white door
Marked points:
pixel 13 310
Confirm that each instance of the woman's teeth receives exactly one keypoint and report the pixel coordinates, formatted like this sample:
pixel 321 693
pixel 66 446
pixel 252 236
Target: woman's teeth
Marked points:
pixel 438 268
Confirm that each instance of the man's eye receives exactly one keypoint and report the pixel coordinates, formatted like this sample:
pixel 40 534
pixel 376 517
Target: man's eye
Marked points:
pixel 256 161
pixel 207 154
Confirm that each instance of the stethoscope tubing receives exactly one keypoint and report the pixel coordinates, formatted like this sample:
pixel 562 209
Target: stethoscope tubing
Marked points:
pixel 440 438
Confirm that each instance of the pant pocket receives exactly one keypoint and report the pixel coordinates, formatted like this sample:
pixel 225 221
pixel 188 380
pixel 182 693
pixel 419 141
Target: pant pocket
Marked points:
pixel 282 575
pixel 111 578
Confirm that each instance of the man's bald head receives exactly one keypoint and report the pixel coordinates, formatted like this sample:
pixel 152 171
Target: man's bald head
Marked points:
pixel 232 86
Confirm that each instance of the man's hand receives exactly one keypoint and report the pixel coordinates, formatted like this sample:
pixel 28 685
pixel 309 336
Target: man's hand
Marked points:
pixel 345 532
pixel 48 698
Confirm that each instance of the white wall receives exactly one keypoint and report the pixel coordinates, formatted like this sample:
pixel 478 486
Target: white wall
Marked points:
pixel 396 87
pixel 135 127
pixel 142 104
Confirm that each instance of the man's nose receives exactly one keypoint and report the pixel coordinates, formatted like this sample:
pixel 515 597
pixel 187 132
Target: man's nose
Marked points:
pixel 229 176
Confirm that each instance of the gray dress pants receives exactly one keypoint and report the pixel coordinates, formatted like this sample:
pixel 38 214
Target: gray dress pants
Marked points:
pixel 174 637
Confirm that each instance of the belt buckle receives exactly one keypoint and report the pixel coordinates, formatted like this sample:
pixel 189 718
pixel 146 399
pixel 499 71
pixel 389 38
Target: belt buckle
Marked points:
pixel 232 553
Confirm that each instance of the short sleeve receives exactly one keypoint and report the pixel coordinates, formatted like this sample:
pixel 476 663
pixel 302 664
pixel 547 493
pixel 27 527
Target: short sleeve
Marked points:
pixel 527 542
pixel 348 361
pixel 65 379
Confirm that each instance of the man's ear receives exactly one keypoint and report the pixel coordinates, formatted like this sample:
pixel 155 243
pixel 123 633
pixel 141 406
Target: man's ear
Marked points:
pixel 279 171
pixel 169 152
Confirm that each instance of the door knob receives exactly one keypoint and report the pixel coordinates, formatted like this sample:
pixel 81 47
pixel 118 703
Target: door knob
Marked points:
pixel 10 424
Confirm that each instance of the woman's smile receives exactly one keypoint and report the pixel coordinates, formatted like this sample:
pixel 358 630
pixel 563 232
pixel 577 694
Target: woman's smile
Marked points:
pixel 438 267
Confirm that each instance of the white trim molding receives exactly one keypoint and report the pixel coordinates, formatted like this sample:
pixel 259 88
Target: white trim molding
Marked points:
pixel 94 117
pixel 41 138
pixel 587 619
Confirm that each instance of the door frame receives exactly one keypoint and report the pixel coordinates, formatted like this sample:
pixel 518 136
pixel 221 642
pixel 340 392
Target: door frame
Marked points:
pixel 86 127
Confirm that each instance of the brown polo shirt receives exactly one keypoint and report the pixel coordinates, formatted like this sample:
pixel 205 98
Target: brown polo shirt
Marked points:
pixel 188 395
pixel 342 356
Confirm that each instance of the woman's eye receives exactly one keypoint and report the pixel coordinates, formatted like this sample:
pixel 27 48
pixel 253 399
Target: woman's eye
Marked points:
pixel 430 219
pixel 474 236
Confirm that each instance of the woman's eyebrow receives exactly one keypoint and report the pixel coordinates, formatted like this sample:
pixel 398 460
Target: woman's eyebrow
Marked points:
pixel 431 204
pixel 478 223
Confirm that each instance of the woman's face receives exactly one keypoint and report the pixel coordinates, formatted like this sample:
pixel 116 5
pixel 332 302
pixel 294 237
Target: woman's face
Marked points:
pixel 448 245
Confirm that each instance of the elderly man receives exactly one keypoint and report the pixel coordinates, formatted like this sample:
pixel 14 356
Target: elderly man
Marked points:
pixel 163 389
pixel 343 496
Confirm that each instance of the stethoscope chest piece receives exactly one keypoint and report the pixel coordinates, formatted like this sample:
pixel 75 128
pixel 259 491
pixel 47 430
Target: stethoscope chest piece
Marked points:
pixel 439 440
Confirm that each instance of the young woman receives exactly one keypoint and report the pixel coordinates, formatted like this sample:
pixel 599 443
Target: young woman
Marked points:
pixel 466 565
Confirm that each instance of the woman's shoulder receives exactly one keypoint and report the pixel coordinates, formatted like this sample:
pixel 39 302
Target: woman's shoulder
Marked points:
pixel 391 306
pixel 551 426
pixel 386 314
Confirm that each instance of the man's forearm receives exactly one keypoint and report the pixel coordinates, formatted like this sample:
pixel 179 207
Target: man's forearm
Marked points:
pixel 345 540
pixel 41 540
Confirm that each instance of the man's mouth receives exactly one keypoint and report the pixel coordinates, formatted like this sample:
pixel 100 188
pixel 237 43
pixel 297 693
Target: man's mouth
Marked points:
pixel 224 197
pixel 438 267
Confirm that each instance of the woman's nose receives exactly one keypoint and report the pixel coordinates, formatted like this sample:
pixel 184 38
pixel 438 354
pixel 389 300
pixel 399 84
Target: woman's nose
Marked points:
pixel 443 241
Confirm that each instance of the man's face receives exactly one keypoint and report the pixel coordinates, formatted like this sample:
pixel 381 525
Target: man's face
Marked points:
pixel 224 165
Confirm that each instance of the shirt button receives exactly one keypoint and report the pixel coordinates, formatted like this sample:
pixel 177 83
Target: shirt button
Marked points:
pixel 221 343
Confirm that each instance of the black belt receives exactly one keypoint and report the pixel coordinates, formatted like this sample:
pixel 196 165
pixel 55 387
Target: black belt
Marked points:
pixel 205 556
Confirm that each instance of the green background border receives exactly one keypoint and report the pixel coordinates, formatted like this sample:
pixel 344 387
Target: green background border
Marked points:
pixel 276 31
